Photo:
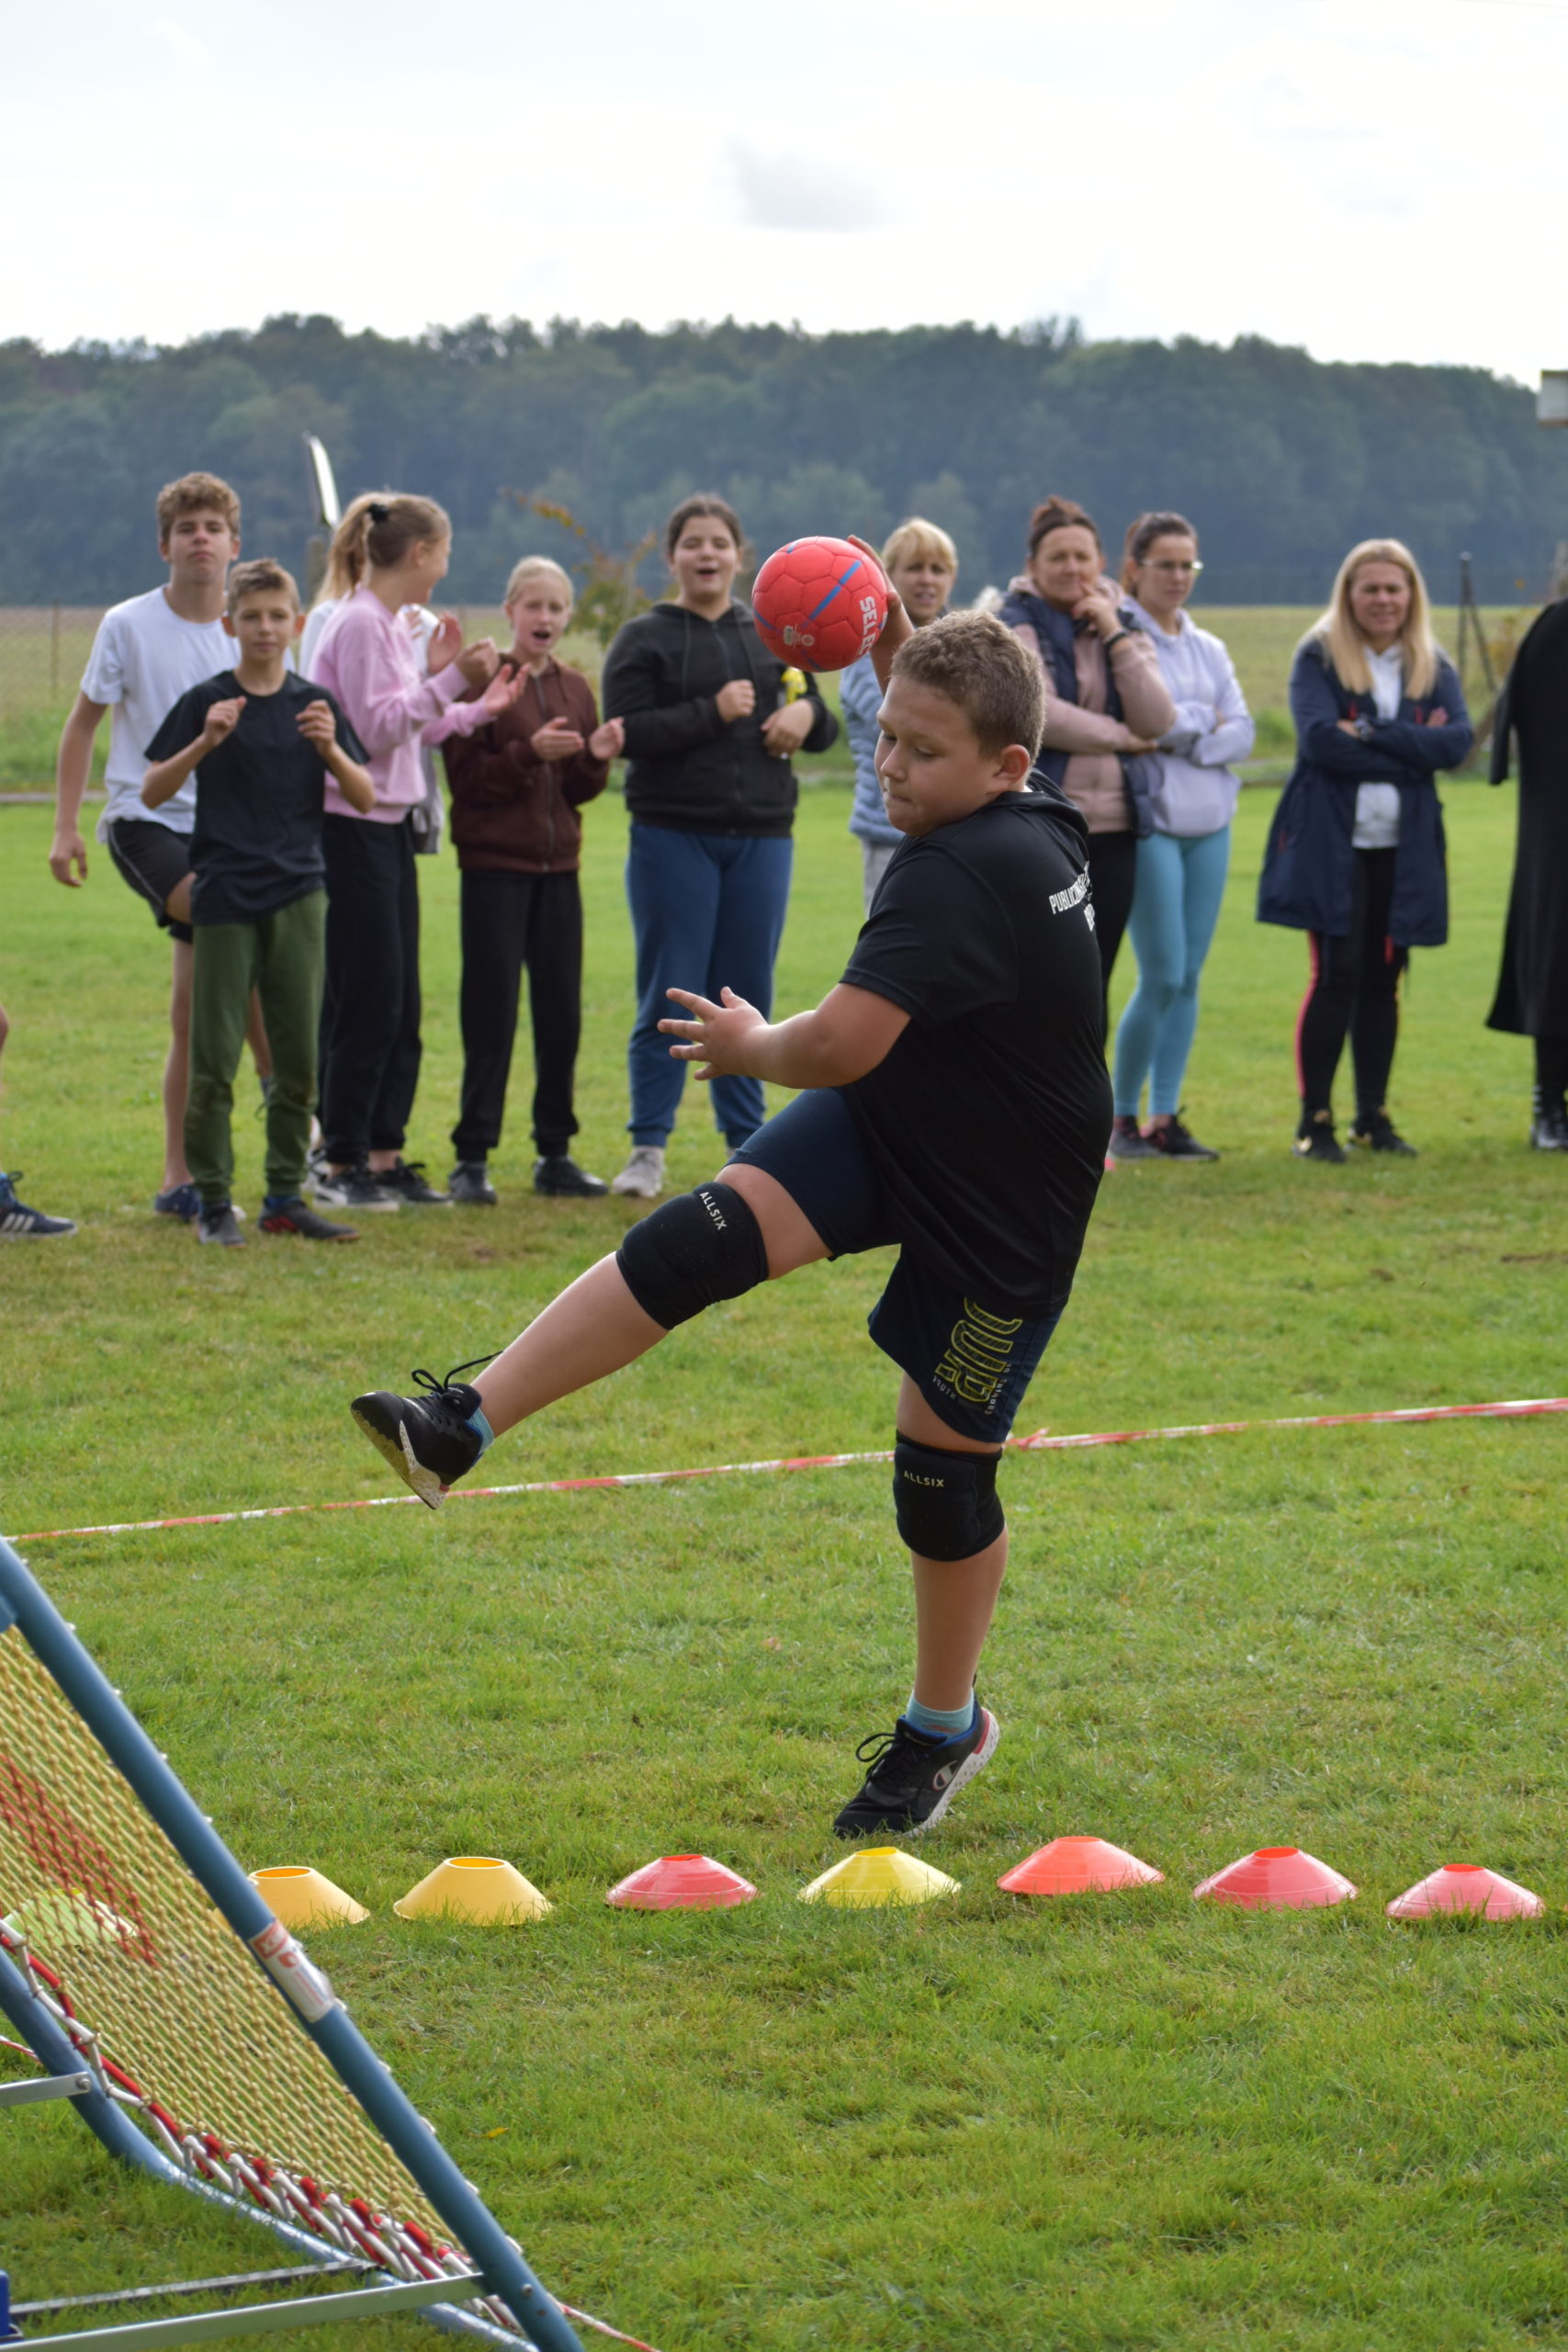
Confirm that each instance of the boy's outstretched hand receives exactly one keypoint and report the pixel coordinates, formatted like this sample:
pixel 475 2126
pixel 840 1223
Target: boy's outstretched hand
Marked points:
pixel 718 1035
pixel 897 628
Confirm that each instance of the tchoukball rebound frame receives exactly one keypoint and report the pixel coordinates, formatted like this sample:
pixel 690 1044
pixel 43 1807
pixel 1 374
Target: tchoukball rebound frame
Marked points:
pixel 502 2269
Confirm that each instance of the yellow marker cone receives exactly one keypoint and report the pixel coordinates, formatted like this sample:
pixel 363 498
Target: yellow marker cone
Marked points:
pixel 476 1887
pixel 301 1897
pixel 878 1874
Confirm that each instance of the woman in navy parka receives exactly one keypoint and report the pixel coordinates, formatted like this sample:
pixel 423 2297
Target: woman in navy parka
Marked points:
pixel 1355 855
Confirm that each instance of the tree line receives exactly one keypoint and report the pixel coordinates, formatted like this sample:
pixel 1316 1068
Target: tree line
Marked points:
pixel 1282 461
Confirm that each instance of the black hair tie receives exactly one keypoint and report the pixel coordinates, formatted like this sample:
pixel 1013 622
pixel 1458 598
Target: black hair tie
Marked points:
pixel 378 511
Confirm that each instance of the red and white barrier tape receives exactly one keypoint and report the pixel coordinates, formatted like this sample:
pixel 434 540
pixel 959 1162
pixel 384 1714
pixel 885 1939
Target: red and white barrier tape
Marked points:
pixel 1042 1442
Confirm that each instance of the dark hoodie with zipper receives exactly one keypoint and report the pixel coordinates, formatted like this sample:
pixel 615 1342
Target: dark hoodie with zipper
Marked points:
pixel 686 769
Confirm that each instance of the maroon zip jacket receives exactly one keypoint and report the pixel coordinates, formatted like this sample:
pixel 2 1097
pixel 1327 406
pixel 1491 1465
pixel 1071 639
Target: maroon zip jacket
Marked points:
pixel 512 813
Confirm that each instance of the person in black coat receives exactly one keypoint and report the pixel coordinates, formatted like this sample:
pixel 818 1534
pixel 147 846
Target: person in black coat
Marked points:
pixel 710 725
pixel 1532 987
pixel 1355 855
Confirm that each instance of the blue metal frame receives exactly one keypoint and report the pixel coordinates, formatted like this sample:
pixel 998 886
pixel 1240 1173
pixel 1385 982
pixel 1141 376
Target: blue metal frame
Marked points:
pixel 24 1604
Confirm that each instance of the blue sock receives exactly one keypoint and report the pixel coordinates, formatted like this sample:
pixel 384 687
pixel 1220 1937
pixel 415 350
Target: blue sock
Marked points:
pixel 281 1200
pixel 481 1428
pixel 939 1723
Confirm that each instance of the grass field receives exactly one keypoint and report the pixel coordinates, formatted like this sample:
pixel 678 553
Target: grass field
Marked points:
pixel 1127 2122
pixel 42 654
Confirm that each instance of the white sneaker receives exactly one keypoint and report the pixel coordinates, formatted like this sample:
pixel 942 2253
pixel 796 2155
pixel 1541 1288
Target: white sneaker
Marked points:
pixel 643 1174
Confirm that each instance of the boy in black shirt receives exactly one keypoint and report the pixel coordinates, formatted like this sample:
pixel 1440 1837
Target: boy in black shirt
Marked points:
pixel 954 1102
pixel 262 742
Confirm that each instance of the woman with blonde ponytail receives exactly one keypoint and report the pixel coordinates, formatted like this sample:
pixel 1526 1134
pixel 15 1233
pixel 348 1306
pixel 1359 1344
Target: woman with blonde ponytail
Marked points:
pixel 1356 856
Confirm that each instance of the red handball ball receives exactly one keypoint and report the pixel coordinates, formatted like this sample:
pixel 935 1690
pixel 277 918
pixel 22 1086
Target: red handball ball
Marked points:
pixel 819 604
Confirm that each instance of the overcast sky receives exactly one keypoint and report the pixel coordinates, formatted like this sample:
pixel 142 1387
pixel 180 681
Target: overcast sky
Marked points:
pixel 1374 179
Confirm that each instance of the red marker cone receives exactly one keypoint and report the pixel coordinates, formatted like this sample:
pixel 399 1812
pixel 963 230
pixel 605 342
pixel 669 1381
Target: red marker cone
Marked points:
pixel 1466 1886
pixel 681 1883
pixel 1275 1878
pixel 1076 1866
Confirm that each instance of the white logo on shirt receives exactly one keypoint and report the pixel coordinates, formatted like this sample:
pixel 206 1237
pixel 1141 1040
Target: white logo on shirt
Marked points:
pixel 1062 900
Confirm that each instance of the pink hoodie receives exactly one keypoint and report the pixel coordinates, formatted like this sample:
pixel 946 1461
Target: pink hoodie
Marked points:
pixel 368 661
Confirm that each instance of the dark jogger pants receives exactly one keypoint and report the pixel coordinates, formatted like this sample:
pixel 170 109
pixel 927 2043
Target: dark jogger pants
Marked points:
pixel 370 1042
pixel 278 955
pixel 510 921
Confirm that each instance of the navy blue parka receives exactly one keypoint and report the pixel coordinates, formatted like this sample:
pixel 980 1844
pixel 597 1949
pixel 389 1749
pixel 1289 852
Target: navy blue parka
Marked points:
pixel 1309 864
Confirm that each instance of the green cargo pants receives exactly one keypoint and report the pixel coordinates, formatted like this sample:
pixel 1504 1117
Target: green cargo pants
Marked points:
pixel 281 957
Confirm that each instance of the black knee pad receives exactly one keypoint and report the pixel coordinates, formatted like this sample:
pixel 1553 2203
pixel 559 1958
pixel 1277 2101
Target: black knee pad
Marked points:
pixel 947 1504
pixel 692 1252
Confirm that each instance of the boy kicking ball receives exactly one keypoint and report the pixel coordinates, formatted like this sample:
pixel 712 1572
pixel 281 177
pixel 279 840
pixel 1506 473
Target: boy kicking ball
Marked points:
pixel 261 743
pixel 953 1101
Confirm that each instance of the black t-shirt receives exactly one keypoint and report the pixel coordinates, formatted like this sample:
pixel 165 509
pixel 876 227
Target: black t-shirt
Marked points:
pixel 988 1120
pixel 259 797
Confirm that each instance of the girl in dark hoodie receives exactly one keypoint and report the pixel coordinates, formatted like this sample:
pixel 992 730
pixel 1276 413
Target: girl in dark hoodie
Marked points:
pixel 711 795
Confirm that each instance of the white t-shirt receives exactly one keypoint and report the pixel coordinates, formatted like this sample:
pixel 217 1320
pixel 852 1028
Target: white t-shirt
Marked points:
pixel 143 658
pixel 315 629
pixel 1377 805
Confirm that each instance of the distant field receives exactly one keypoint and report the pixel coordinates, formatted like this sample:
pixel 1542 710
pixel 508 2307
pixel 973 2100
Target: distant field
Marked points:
pixel 43 652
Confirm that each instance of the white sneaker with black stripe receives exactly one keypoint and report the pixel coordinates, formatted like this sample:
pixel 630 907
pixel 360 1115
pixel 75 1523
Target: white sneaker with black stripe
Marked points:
pixel 19 1223
pixel 350 1188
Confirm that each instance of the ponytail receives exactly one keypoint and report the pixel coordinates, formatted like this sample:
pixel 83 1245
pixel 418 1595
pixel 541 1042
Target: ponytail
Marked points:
pixel 377 533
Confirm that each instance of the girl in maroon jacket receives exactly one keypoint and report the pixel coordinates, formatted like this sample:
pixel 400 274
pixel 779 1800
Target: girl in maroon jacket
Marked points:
pixel 517 784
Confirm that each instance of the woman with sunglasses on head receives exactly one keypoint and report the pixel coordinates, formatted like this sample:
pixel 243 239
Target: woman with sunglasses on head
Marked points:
pixel 1104 696
pixel 1356 856
pixel 1182 859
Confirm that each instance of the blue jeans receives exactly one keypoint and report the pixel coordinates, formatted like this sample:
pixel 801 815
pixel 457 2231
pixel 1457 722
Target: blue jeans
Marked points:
pixel 708 913
pixel 1175 904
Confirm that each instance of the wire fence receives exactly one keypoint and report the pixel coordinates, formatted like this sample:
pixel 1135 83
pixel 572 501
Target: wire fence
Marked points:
pixel 43 652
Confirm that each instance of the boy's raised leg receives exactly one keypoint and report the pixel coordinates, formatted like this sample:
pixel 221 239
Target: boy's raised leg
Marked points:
pixel 595 1327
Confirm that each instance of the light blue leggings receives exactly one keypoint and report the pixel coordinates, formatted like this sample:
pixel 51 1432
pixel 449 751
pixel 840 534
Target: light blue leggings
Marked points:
pixel 1175 904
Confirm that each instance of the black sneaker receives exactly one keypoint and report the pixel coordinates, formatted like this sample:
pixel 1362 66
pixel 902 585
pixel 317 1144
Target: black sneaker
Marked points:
pixel 1316 1138
pixel 913 1778
pixel 469 1185
pixel 1171 1140
pixel 405 1181
pixel 559 1178
pixel 19 1223
pixel 1549 1130
pixel 1378 1133
pixel 217 1223
pixel 351 1188
pixel 1129 1142
pixel 293 1217
pixel 426 1438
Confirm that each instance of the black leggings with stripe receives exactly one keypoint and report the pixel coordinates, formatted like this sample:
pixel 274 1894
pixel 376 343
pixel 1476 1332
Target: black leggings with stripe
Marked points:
pixel 1354 992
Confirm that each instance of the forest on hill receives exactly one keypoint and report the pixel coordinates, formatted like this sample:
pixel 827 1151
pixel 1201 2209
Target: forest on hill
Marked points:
pixel 1282 461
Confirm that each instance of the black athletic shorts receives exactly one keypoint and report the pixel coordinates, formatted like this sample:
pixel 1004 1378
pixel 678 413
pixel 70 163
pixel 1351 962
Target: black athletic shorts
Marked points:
pixel 153 859
pixel 971 1359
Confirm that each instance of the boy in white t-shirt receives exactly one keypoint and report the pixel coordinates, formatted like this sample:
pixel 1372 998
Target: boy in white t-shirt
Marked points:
pixel 148 652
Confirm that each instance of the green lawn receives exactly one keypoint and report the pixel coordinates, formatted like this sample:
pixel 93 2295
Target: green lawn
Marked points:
pixel 1121 2121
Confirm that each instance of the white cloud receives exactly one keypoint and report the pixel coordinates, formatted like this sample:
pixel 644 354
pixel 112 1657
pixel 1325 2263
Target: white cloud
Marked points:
pixel 1232 167
pixel 801 191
